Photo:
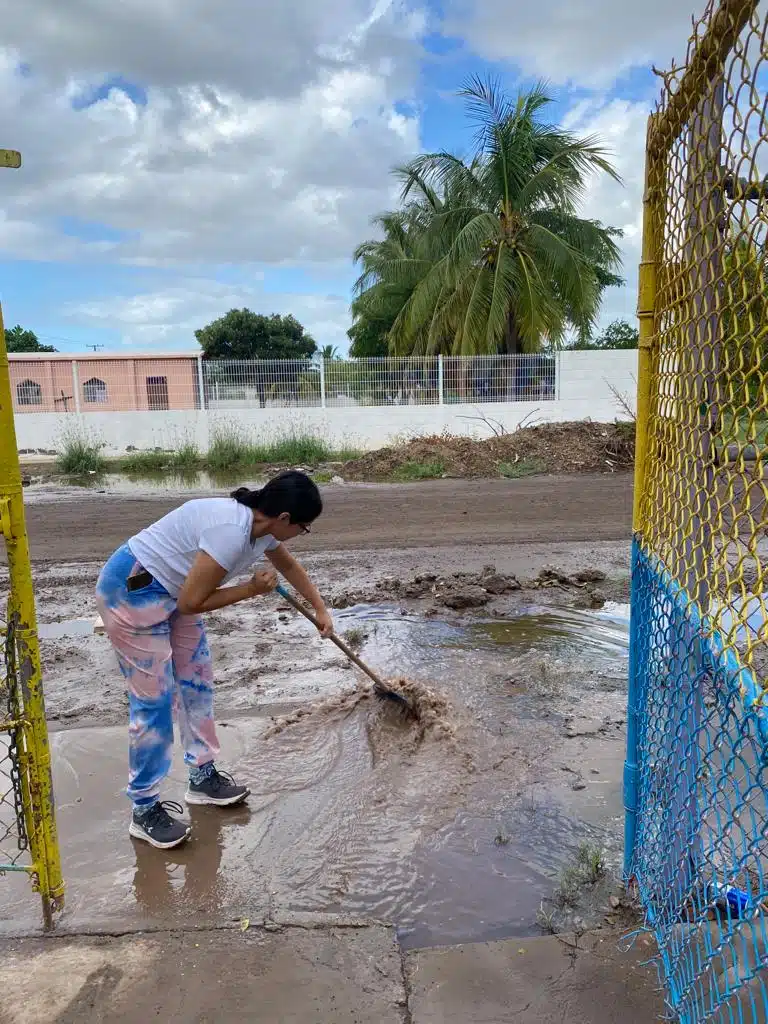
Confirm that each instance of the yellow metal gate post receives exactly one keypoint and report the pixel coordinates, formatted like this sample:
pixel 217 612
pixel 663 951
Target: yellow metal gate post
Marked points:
pixel 26 724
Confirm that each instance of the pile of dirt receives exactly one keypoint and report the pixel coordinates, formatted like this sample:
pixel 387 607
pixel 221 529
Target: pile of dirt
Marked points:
pixel 463 590
pixel 582 447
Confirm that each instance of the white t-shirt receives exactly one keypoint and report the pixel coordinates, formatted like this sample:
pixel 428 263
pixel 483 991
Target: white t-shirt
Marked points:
pixel 219 526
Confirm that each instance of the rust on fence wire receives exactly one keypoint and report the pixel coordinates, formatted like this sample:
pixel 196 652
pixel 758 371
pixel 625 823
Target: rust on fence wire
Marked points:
pixel 696 779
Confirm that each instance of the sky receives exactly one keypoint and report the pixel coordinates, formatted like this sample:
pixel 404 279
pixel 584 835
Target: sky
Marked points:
pixel 183 157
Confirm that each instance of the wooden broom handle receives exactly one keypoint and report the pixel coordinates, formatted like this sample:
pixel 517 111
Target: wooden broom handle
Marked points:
pixel 294 603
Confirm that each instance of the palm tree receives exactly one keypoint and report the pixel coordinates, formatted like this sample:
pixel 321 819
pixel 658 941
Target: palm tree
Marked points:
pixel 490 255
pixel 329 352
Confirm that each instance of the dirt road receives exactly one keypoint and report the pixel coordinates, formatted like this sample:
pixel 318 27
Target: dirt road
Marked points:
pixel 86 525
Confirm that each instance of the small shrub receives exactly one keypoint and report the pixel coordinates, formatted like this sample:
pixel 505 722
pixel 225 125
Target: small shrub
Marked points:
pixel 80 456
pixel 420 470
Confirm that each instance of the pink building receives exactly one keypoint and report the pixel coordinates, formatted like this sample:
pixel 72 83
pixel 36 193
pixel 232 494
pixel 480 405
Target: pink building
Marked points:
pixel 56 382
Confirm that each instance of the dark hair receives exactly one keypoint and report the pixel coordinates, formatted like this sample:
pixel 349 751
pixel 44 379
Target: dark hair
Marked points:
pixel 292 492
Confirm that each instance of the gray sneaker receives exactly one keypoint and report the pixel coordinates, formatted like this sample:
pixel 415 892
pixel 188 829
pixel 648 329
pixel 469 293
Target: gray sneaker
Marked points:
pixel 219 789
pixel 156 827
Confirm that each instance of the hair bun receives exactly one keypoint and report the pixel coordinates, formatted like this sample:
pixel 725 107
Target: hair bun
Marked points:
pixel 246 496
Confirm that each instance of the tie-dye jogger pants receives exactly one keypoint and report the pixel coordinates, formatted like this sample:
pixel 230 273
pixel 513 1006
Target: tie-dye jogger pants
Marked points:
pixel 166 662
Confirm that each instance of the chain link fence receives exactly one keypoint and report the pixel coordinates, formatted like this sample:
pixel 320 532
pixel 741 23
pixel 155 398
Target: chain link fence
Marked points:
pixel 696 780
pixel 28 840
pixel 14 843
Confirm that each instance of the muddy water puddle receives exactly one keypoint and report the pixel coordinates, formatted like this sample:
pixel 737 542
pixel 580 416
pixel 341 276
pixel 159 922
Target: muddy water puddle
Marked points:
pixel 452 837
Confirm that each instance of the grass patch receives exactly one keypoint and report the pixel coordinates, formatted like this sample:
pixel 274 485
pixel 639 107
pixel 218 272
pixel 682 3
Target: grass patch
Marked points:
pixel 81 456
pixel 186 459
pixel 420 470
pixel 144 462
pixel 295 450
pixel 517 470
pixel 230 450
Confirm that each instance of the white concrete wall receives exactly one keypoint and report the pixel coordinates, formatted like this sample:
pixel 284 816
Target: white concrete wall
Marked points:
pixel 589 383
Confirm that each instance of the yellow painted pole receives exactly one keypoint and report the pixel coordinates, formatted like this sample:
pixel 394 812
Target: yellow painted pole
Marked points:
pixel 646 312
pixel 38 789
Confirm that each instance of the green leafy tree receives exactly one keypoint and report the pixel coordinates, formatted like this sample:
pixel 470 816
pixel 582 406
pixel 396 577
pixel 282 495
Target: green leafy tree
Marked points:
pixel 368 338
pixel 277 348
pixel 618 335
pixel 17 339
pixel 490 255
pixel 329 352
pixel 243 334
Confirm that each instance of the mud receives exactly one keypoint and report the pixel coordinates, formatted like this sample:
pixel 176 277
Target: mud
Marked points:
pixel 427 714
pixel 453 827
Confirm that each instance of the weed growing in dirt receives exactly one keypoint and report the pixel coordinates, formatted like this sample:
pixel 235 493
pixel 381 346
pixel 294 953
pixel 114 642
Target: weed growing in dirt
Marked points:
pixel 80 455
pixel 517 470
pixel 547 920
pixel 356 637
pixel 567 892
pixel 587 869
pixel 420 470
pixel 591 863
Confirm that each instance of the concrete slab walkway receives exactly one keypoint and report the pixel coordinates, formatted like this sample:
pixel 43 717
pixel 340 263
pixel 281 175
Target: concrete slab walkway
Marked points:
pixel 329 976
pixel 539 981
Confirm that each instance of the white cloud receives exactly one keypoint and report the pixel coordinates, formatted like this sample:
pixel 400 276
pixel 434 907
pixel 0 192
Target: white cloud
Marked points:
pixel 257 48
pixel 168 317
pixel 621 126
pixel 587 41
pixel 268 133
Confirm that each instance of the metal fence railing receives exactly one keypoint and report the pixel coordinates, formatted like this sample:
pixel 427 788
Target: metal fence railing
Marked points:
pixel 28 841
pixel 102 384
pixel 696 778
pixel 335 383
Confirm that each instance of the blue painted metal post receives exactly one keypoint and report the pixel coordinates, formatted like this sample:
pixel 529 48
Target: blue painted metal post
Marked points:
pixel 631 769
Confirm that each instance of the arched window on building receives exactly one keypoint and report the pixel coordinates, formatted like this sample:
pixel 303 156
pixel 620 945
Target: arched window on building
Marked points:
pixel 94 390
pixel 29 392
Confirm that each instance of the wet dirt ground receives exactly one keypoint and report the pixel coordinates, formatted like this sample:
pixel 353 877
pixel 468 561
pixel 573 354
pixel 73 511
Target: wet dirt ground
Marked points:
pixel 75 524
pixel 456 834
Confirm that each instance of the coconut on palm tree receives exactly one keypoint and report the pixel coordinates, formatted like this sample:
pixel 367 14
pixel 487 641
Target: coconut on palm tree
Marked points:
pixel 490 255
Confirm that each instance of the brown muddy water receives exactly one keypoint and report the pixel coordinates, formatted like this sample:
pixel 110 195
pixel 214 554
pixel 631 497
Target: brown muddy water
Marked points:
pixel 454 832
